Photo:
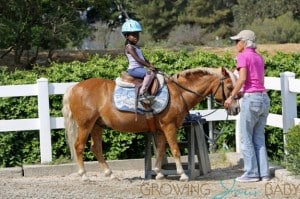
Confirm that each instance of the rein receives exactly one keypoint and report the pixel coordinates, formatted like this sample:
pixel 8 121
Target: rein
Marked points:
pixel 221 85
pixel 187 89
pixel 179 85
pixel 184 88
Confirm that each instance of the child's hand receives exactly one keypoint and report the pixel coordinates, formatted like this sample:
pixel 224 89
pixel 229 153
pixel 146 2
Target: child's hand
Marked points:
pixel 152 68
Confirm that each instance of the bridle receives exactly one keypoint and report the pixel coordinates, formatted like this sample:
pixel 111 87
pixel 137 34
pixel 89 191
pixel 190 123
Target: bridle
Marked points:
pixel 221 85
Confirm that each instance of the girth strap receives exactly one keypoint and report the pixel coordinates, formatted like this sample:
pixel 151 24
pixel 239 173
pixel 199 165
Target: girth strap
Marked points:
pixel 150 121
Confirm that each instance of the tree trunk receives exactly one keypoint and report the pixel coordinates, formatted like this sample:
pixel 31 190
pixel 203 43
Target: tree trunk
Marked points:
pixel 8 51
pixel 18 55
pixel 50 53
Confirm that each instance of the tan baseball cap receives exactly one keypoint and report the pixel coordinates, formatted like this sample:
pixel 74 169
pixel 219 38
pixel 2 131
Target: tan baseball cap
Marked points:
pixel 244 35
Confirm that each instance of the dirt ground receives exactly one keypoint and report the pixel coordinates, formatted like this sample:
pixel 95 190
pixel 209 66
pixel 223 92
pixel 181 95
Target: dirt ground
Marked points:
pixel 270 48
pixel 83 55
pixel 218 184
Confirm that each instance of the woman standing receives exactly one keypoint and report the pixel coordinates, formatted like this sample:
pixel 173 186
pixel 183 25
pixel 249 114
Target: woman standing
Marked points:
pixel 255 106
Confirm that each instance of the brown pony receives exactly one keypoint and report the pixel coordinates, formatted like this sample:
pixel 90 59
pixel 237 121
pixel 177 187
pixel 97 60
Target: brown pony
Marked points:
pixel 88 107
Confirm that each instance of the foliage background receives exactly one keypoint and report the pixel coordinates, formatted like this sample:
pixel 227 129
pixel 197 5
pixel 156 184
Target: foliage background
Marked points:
pixel 293 149
pixel 18 148
pixel 27 27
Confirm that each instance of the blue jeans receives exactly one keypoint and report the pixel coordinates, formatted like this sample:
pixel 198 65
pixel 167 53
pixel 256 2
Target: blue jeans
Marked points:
pixel 139 72
pixel 253 117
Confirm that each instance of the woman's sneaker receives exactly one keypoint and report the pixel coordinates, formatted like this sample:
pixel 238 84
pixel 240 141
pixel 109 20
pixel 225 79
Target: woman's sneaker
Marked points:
pixel 247 179
pixel 265 178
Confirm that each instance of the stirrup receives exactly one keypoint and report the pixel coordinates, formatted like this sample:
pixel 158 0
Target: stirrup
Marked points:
pixel 146 98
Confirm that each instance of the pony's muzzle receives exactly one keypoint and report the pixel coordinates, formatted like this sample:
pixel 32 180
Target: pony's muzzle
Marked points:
pixel 234 108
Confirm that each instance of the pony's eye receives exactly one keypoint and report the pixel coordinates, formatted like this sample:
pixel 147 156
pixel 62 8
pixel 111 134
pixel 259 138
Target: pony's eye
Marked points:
pixel 229 86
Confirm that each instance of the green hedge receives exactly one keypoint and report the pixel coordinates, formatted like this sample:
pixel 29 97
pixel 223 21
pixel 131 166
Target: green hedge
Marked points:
pixel 293 150
pixel 19 148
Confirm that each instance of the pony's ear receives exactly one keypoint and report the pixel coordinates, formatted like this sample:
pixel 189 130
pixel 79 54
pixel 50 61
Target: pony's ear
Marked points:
pixel 224 72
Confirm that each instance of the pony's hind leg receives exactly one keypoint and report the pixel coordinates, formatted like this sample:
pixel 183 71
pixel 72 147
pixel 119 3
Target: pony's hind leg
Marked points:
pixel 79 147
pixel 96 148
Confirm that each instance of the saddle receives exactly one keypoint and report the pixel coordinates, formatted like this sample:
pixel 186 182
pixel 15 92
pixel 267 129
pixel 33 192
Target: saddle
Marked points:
pixel 155 88
pixel 157 82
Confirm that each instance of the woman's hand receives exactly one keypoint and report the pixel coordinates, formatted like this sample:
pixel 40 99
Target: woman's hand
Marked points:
pixel 228 102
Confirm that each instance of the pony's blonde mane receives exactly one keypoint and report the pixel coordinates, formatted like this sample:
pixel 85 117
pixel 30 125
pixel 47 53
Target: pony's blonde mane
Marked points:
pixel 212 71
pixel 232 76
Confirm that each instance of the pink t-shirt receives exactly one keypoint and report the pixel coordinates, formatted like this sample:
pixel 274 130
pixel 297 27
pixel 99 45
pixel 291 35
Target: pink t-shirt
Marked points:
pixel 255 67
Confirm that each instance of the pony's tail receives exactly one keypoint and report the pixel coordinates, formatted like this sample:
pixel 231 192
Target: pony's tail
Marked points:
pixel 71 129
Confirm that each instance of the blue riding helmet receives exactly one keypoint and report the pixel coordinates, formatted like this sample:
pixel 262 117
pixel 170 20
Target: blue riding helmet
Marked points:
pixel 131 26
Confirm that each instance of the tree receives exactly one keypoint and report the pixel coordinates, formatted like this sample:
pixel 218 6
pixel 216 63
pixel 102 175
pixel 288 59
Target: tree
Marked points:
pixel 158 17
pixel 16 21
pixel 294 7
pixel 273 21
pixel 277 30
pixel 245 12
pixel 47 24
pixel 209 15
pixel 60 25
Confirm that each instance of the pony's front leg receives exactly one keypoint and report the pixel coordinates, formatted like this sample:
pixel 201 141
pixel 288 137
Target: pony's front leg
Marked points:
pixel 179 168
pixel 160 142
pixel 96 148
pixel 172 141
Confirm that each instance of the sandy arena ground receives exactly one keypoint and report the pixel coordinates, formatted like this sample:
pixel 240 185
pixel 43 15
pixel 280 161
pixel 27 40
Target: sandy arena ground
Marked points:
pixel 219 183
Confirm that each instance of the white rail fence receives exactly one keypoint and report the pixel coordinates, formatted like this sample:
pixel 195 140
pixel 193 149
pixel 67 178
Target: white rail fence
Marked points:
pixel 287 84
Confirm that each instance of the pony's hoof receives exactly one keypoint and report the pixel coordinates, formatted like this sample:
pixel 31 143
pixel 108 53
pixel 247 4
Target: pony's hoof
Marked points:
pixel 82 172
pixel 85 178
pixel 113 177
pixel 157 170
pixel 184 178
pixel 159 176
pixel 108 173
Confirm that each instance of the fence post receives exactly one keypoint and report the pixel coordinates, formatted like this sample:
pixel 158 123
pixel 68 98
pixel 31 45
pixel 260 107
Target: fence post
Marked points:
pixel 288 100
pixel 44 120
pixel 211 128
pixel 289 103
